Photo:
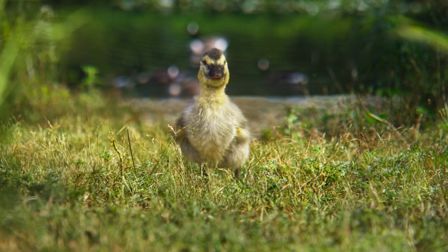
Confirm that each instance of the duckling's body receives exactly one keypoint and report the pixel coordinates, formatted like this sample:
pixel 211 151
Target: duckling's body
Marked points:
pixel 213 130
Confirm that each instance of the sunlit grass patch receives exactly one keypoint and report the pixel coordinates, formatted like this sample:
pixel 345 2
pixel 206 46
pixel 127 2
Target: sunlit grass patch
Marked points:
pixel 93 178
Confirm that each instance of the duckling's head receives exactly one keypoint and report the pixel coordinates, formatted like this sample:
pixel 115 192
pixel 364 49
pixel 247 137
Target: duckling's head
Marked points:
pixel 213 70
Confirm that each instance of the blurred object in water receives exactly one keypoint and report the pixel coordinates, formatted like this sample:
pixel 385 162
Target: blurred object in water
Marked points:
pixel 143 78
pixel 190 87
pixel 263 64
pixel 185 86
pixel 175 89
pixel 196 46
pixel 199 46
pixel 173 71
pixel 193 28
pixel 160 77
pixel 170 81
pixel 220 43
pixel 296 78
pixel 290 82
pixel 123 82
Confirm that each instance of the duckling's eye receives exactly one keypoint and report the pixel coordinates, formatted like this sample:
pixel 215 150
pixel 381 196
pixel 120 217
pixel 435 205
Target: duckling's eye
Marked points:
pixel 204 62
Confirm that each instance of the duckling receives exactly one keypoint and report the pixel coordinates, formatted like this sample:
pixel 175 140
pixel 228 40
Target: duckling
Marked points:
pixel 213 130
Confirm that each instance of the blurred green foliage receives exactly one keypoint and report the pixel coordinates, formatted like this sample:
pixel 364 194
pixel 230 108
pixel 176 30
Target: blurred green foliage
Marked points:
pixel 382 47
pixel 415 32
pixel 312 7
pixel 30 45
pixel 91 78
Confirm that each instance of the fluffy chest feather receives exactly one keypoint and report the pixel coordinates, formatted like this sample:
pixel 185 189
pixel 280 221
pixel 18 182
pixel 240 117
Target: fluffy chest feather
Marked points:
pixel 211 131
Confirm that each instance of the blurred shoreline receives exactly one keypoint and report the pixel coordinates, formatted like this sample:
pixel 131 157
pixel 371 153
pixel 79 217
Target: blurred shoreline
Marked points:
pixel 262 112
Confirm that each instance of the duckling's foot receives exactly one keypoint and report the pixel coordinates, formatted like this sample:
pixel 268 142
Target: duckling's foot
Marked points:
pixel 237 173
pixel 203 168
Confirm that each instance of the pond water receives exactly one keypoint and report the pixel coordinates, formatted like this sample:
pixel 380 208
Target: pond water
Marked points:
pixel 148 54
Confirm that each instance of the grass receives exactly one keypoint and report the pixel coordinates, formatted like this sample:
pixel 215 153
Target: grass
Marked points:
pixel 69 181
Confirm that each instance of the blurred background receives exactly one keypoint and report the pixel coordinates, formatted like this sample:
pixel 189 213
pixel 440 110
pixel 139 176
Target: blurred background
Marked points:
pixel 150 48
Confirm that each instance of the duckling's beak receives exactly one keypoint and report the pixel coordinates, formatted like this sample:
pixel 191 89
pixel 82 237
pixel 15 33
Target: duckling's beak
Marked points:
pixel 215 72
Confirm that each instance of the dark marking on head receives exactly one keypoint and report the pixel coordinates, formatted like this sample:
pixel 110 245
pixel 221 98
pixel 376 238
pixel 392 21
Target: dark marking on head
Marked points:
pixel 214 54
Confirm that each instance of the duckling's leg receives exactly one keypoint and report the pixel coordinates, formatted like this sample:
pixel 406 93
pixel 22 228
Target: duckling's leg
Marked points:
pixel 238 151
pixel 203 167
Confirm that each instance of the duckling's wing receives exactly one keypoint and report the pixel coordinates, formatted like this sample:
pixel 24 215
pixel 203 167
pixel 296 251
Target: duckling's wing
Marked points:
pixel 243 132
pixel 238 151
pixel 182 139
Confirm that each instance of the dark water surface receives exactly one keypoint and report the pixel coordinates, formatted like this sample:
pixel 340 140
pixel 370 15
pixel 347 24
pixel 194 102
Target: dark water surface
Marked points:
pixel 153 54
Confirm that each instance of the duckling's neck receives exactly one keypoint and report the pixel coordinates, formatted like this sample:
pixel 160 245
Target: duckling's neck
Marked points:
pixel 212 96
